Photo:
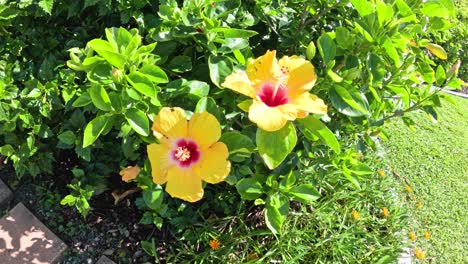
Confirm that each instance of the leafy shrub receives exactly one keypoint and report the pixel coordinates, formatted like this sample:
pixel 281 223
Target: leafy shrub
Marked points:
pixel 95 90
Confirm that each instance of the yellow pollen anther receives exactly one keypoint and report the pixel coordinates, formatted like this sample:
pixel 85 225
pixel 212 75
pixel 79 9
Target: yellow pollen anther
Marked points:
pixel 182 153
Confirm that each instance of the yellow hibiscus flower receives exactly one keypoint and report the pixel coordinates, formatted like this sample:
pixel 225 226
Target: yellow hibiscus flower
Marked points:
pixel 279 89
pixel 188 153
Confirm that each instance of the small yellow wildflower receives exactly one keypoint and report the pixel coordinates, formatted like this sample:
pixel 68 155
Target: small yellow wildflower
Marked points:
pixel 385 212
pixel 408 188
pixel 130 173
pixel 419 253
pixel 412 236
pixel 355 215
pixel 419 204
pixel 427 235
pixel 215 244
pixel 381 173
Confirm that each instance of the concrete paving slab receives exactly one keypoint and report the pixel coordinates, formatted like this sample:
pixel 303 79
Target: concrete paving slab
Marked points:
pixel 105 260
pixel 24 239
pixel 405 257
pixel 5 194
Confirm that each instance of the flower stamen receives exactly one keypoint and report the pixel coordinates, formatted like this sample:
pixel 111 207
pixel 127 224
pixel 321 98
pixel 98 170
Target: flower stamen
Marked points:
pixel 182 153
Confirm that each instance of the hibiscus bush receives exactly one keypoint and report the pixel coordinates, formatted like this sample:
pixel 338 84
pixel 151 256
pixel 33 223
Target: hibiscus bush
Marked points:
pixel 231 114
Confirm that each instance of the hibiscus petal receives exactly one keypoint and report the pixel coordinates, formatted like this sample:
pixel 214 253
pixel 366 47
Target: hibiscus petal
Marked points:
pixel 239 82
pixel 130 173
pixel 213 166
pixel 158 155
pixel 170 122
pixel 184 184
pixel 263 68
pixel 204 129
pixel 267 118
pixel 302 75
pixel 309 103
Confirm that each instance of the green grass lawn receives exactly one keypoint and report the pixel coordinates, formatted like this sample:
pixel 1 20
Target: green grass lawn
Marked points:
pixel 434 161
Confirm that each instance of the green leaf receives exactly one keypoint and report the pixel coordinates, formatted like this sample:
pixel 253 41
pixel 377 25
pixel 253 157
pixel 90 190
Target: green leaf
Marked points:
pixel 46 6
pixel 275 146
pixel 100 98
pixel 198 89
pixel 138 120
pixel 361 169
pixel 349 101
pixel 94 129
pixel 403 8
pixel 385 12
pixel 363 7
pixel 326 47
pixel 7 150
pixel 245 105
pixel 335 77
pixel 320 130
pixel 153 197
pixel 180 64
pixel 430 110
pixel 100 73
pixel 438 8
pixel 69 200
pixel 344 38
pixel 105 50
pixel 220 67
pixel 240 146
pixel 208 104
pixel 376 67
pixel 426 71
pixel 249 189
pixel 288 180
pixel 149 247
pixel 67 137
pixel 154 73
pixel 83 100
pixel 440 75
pixel 364 32
pixel 347 174
pixel 234 32
pixel 118 38
pixel 304 193
pixel 276 211
pixel 391 51
pixel 142 84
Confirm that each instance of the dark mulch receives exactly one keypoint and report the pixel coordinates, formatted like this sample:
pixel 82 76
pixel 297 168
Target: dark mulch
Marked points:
pixel 109 229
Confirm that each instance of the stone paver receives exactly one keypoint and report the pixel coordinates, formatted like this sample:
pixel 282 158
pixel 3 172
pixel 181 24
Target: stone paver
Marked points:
pixel 5 194
pixel 105 260
pixel 24 239
pixel 405 258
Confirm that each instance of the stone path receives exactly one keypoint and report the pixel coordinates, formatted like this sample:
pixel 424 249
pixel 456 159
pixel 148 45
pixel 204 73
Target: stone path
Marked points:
pixel 25 240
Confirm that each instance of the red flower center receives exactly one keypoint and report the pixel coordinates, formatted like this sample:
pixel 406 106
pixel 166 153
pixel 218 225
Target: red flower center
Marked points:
pixel 186 153
pixel 272 95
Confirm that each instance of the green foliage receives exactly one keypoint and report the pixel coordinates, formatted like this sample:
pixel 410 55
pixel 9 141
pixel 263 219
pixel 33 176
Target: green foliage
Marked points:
pixel 86 78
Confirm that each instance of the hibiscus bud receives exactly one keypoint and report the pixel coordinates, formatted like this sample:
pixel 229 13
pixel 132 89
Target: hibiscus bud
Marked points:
pixel 117 75
pixel 130 173
pixel 455 67
pixel 310 51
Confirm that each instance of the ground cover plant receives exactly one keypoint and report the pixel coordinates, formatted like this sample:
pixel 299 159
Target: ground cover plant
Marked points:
pixel 241 127
pixel 434 167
